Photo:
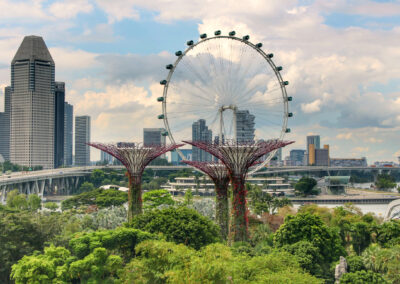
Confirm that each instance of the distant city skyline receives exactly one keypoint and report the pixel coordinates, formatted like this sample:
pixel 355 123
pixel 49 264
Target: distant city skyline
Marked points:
pixel 339 57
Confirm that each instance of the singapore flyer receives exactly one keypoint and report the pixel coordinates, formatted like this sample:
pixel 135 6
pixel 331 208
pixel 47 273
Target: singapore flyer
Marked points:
pixel 224 86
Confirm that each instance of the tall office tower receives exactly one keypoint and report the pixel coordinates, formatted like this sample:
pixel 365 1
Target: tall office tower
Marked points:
pixel 32 105
pixel 59 124
pixel 200 132
pixel 82 137
pixel 322 156
pixel 68 133
pixel 313 143
pixel 5 125
pixel 245 126
pixel 297 157
pixel 314 139
pixel 153 137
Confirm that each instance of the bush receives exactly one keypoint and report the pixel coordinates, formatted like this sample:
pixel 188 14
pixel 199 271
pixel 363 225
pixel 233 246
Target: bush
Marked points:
pixel 355 263
pixel 362 277
pixel 155 198
pixel 99 197
pixel 122 240
pixel 307 227
pixel 180 225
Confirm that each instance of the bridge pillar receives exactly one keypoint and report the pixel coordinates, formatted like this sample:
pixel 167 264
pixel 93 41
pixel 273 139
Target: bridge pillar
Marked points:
pixel 41 188
pixel 3 194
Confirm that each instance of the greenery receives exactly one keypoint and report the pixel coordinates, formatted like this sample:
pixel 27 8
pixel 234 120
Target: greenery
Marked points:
pixel 156 198
pixel 163 262
pixel 306 186
pixel 369 277
pixel 52 206
pixel 20 201
pixel 262 202
pixel 385 181
pixel 7 166
pixel 180 225
pixel 99 197
pixel 88 242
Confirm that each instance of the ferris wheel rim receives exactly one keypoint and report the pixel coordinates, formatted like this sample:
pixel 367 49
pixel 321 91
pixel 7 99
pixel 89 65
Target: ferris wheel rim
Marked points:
pixel 271 64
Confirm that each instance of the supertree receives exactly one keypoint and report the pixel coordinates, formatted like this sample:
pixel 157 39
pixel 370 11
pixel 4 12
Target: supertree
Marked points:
pixel 238 158
pixel 220 176
pixel 135 157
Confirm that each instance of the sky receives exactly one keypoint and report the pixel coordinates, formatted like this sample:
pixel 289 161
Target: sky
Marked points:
pixel 342 59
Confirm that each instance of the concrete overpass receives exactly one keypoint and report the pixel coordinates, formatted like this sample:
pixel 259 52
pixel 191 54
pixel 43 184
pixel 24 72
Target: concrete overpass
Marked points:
pixel 59 181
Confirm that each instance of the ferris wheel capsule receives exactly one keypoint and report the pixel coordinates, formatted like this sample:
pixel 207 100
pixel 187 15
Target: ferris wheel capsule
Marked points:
pixel 203 36
pixel 217 33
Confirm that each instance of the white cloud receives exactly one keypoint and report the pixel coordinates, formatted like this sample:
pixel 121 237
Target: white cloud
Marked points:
pixel 314 106
pixel 69 9
pixel 344 136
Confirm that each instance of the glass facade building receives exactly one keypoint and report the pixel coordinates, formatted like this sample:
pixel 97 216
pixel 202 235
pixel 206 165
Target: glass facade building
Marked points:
pixel 32 105
pixel 82 137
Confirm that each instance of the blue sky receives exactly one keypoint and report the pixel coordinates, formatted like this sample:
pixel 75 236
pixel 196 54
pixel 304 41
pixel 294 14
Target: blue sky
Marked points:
pixel 341 58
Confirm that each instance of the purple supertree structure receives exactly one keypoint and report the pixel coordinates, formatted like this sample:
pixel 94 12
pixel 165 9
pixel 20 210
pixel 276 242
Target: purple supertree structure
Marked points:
pixel 220 176
pixel 135 157
pixel 238 158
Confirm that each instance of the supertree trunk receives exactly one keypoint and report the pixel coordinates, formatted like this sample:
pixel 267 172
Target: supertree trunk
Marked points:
pixel 240 220
pixel 222 208
pixel 134 196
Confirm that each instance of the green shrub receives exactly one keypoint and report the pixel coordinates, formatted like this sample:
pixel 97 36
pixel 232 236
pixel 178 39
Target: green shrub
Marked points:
pixel 180 225
pixel 99 197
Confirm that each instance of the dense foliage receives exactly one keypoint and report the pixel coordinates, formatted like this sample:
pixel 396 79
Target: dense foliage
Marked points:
pixel 99 197
pixel 173 243
pixel 180 225
pixel 306 186
pixel 261 202
pixel 385 181
pixel 155 198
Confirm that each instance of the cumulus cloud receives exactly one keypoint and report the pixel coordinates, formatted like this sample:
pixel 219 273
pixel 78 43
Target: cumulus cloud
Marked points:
pixel 69 9
pixel 314 106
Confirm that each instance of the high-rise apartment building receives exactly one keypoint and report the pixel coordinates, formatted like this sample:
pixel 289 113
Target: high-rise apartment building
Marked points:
pixel 5 125
pixel 200 132
pixel 59 109
pixel 82 137
pixel 244 126
pixel 314 139
pixel 297 157
pixel 68 133
pixel 153 137
pixel 32 105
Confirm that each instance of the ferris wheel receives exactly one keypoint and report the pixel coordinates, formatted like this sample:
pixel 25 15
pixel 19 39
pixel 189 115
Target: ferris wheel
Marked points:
pixel 224 88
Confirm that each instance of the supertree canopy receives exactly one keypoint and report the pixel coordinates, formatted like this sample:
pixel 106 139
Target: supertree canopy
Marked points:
pixel 220 176
pixel 238 158
pixel 135 157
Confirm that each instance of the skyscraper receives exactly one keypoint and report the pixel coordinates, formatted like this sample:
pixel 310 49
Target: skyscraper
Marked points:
pixel 313 143
pixel 5 125
pixel 82 137
pixel 59 98
pixel 297 157
pixel 32 105
pixel 153 137
pixel 68 133
pixel 245 126
pixel 200 132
